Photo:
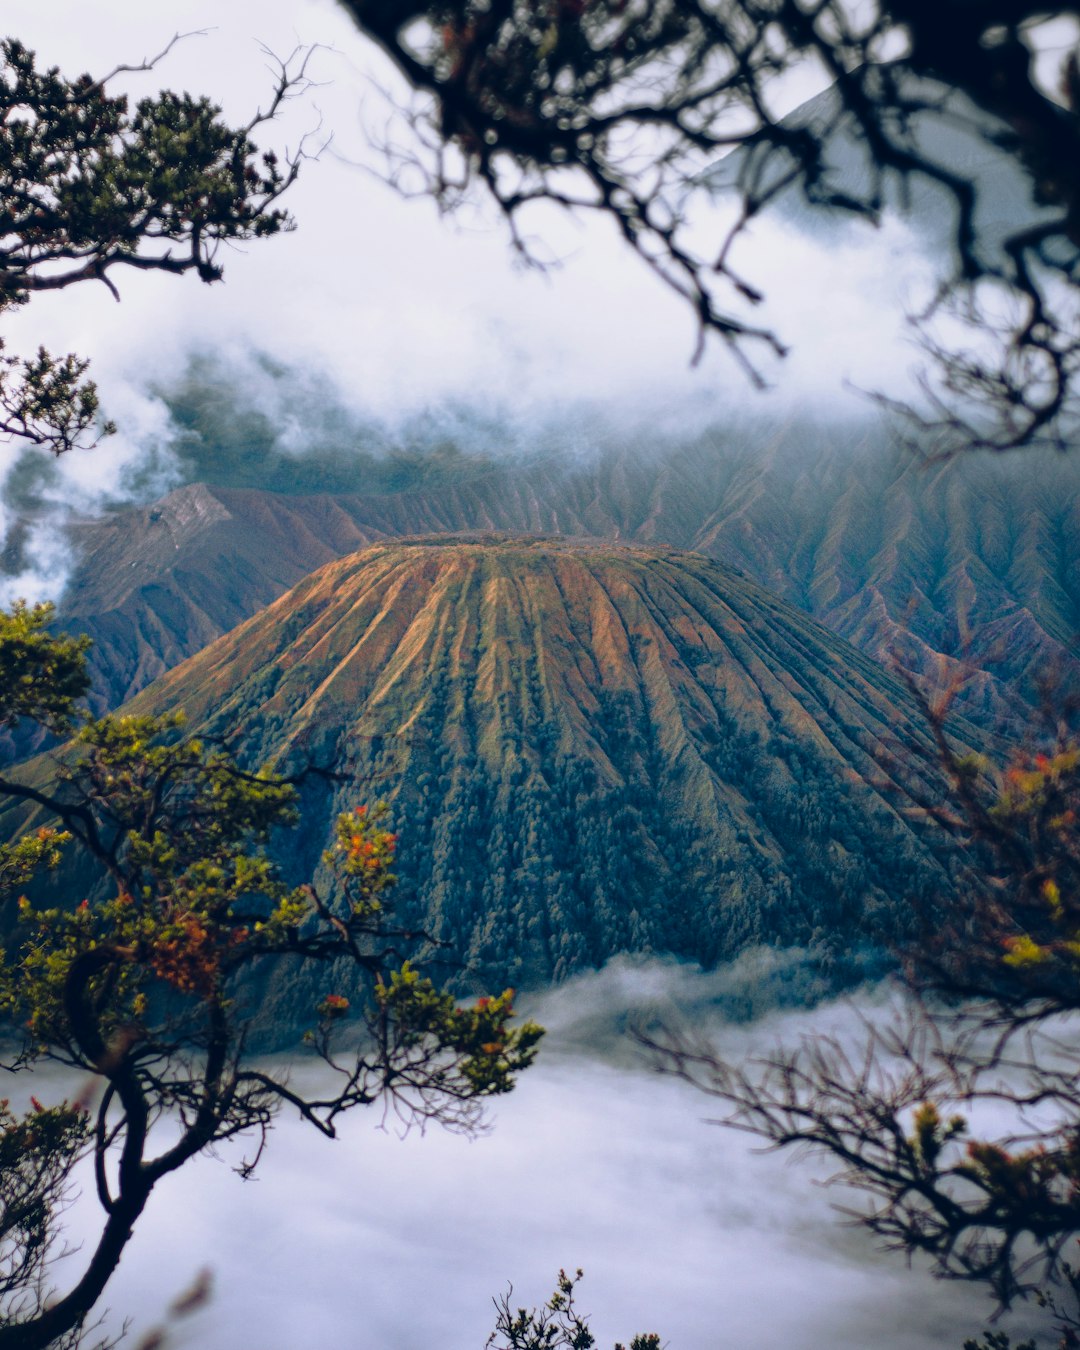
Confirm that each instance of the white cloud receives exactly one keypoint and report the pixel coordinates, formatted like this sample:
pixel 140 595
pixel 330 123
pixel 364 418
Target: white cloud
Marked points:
pixel 682 1228
pixel 404 316
pixel 403 309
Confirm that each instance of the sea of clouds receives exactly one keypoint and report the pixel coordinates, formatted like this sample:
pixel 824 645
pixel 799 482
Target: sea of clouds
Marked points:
pixel 595 1160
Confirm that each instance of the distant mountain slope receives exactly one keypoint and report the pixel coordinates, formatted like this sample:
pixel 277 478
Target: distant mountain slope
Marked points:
pixel 950 131
pixel 587 748
pixel 975 561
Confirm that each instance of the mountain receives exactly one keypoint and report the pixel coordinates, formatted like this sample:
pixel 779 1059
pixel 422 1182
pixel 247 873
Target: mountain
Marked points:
pixel 967 571
pixel 948 131
pixel 587 749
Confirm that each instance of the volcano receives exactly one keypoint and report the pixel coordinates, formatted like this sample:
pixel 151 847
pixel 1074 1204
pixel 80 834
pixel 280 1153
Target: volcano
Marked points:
pixel 587 749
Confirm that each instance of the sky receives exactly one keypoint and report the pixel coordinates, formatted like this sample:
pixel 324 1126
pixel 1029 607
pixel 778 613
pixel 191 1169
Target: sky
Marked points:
pixel 399 313
pixel 401 310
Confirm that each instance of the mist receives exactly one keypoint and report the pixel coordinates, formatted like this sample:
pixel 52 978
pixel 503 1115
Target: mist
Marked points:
pixel 378 329
pixel 399 315
pixel 594 1160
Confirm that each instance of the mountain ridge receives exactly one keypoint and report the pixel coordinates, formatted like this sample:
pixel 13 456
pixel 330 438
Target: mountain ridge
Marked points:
pixel 958 572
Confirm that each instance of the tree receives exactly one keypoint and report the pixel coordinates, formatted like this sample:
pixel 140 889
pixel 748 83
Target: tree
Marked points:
pixel 556 1326
pixel 90 186
pixel 140 984
pixel 141 987
pixel 623 108
pixel 991 1028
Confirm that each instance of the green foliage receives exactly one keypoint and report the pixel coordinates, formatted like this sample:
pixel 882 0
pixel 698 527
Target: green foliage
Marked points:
pixel 1066 1319
pixel 485 1053
pixel 1038 810
pixel 42 676
pixel 44 400
pixel 931 1134
pixel 556 1326
pixel 31 854
pixel 899 1113
pixel 134 987
pixel 139 980
pixel 1015 933
pixel 88 184
pixel 365 855
pixel 37 1154
pixel 997 1340
pixel 181 832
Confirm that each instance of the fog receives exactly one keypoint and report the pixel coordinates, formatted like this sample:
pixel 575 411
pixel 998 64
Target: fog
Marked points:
pixel 402 307
pixel 406 321
pixel 595 1161
pixel 401 329
pixel 401 312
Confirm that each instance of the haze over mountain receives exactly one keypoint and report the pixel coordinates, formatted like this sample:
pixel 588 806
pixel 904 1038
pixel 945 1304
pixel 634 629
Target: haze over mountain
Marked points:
pixel 588 749
pixel 969 569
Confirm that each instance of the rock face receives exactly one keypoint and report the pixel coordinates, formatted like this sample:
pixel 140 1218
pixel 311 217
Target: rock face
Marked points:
pixel 587 749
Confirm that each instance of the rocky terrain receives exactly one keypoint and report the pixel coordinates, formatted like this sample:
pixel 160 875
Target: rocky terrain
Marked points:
pixel 966 572
pixel 588 748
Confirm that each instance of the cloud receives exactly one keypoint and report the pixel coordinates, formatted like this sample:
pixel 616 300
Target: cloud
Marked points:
pixel 403 310
pixel 400 329
pixel 40 495
pixel 681 1227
